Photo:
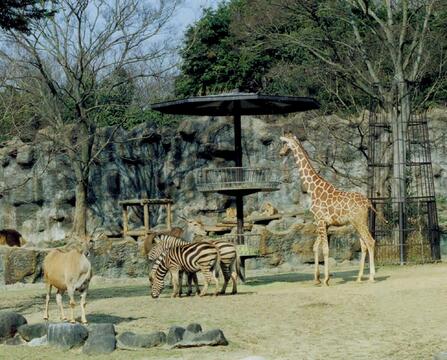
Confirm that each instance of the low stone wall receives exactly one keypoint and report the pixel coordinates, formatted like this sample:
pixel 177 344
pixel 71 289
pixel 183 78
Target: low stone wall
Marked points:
pixel 109 258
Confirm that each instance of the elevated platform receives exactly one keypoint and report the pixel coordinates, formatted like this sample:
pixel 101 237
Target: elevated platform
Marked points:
pixel 234 181
pixel 248 245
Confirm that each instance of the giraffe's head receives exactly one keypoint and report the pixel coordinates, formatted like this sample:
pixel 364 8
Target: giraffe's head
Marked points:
pixel 288 139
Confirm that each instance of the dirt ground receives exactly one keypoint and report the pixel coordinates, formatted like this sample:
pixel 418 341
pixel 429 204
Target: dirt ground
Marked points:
pixel 277 316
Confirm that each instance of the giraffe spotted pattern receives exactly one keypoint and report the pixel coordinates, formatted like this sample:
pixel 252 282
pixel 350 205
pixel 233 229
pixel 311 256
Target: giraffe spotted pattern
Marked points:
pixel 331 206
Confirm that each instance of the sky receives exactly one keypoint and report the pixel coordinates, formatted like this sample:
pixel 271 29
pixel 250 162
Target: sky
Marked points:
pixel 190 11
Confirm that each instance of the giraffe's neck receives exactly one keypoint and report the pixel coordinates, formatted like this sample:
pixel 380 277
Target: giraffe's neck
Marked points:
pixel 309 177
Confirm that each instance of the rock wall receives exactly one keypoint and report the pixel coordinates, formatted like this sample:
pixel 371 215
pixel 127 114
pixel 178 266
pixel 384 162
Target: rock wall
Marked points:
pixel 38 183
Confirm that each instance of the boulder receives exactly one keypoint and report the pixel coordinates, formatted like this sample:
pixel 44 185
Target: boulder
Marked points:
pixel 16 340
pixel 194 328
pixel 440 356
pixel 67 336
pixel 101 339
pixel 101 329
pixel 213 337
pixel 29 332
pixel 191 331
pixel 175 335
pixel 99 345
pixel 42 341
pixel 22 265
pixel 130 340
pixel 9 323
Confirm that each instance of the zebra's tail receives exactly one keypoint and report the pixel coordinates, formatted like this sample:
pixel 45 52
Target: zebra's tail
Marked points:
pixel 217 263
pixel 238 268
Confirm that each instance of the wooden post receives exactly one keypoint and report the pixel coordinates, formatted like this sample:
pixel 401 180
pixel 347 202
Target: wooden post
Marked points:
pixel 125 223
pixel 147 225
pixel 169 216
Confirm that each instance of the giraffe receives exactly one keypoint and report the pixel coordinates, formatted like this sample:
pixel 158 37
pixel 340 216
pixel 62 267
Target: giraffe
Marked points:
pixel 331 206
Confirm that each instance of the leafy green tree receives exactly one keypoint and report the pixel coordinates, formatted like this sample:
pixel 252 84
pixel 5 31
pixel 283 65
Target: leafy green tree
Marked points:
pixel 215 60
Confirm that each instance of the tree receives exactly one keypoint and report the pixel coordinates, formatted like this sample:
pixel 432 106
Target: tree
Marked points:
pixel 382 50
pixel 79 58
pixel 214 58
pixel 17 14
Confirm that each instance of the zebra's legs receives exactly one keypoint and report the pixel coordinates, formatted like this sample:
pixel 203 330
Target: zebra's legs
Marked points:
pixel 208 276
pixel 226 274
pixel 234 279
pixel 192 277
pixel 180 282
pixel 175 282
pixel 224 286
pixel 196 282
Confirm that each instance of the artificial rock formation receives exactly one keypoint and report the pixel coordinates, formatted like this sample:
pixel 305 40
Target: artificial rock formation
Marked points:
pixel 37 196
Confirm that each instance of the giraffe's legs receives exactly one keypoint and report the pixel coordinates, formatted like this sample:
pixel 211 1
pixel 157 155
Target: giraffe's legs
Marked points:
pixel 317 263
pixel 368 242
pixel 322 239
pixel 323 235
pixel 362 260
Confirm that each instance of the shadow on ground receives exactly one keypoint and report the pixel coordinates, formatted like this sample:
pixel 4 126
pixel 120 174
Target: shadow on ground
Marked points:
pixel 345 276
pixel 25 306
pixel 269 279
pixel 118 291
pixel 106 318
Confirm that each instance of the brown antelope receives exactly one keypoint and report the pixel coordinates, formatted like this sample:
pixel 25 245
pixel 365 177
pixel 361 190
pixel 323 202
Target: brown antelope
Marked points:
pixel 68 271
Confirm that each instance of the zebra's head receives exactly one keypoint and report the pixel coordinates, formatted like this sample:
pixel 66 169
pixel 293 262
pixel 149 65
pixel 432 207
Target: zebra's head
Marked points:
pixel 157 275
pixel 157 287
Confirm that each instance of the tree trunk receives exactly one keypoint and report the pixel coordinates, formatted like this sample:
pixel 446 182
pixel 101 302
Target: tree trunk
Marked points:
pixel 81 164
pixel 80 215
pixel 399 121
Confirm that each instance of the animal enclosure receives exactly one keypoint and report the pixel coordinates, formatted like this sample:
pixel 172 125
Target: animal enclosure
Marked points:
pixel 412 232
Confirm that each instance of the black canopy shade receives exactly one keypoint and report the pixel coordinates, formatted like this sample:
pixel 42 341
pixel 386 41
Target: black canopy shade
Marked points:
pixel 237 104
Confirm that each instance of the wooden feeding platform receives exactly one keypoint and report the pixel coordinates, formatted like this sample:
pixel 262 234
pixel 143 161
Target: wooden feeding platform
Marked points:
pixel 235 181
pixel 221 228
pixel 144 203
pixel 248 245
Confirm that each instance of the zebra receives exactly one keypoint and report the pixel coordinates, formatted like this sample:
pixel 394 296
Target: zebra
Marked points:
pixel 201 256
pixel 163 243
pixel 227 253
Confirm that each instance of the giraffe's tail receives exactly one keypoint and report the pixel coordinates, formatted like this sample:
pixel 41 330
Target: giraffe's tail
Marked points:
pixel 379 215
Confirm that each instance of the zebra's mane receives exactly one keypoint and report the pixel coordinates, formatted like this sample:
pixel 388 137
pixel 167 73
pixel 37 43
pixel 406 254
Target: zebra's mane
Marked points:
pixel 157 262
pixel 164 243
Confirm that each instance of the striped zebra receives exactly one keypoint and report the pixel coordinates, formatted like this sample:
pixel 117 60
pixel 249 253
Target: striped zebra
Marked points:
pixel 201 256
pixel 162 244
pixel 227 253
